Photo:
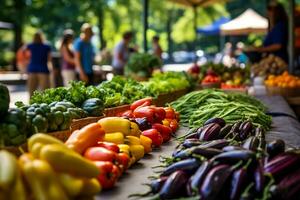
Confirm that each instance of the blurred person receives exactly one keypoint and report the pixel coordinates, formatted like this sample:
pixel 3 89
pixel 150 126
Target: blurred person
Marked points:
pixel 68 61
pixel 40 64
pixel 239 53
pixel 121 53
pixel 84 54
pixel 23 58
pixel 227 54
pixel 156 48
pixel 276 41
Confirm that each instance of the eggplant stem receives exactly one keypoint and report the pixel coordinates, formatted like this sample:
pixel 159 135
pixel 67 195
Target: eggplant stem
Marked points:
pixel 155 197
pixel 159 166
pixel 237 165
pixel 267 188
pixel 152 177
pixel 140 194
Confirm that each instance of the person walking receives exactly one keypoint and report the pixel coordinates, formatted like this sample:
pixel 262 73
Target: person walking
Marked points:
pixel 68 61
pixel 84 54
pixel 40 64
pixel 156 48
pixel 121 54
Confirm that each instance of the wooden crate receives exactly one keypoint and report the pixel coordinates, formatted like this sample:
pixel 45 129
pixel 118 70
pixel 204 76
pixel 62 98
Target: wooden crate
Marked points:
pixel 79 123
pixel 110 112
pixel 163 99
pixel 285 92
pixel 210 85
pixel 238 90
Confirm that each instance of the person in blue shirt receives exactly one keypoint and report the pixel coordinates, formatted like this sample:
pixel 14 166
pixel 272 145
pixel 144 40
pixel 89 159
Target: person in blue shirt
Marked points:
pixel 84 54
pixel 276 41
pixel 39 64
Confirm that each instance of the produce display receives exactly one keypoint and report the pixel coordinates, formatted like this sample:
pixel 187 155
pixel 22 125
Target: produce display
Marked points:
pixel 142 65
pixel 228 161
pixel 49 170
pixel 269 65
pixel 197 107
pixel 230 77
pixel 161 83
pixel 285 80
pixel 113 144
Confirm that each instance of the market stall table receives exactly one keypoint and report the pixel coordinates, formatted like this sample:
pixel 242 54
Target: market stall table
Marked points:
pixel 283 127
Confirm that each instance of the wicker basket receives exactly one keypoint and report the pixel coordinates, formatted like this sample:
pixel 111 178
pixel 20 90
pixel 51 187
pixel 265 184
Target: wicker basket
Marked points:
pixel 110 112
pixel 163 99
pixel 286 92
pixel 79 123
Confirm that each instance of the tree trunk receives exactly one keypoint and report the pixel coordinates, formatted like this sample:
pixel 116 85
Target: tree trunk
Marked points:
pixel 100 26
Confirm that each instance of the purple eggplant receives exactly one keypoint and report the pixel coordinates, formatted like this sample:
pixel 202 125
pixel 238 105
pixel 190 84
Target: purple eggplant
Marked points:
pixel 174 185
pixel 197 179
pixel 210 132
pixel 194 135
pixel 251 143
pixel 216 144
pixel 236 127
pixel 289 186
pixel 232 148
pixel 234 156
pixel 189 166
pixel 275 147
pixel 219 121
pixel 282 165
pixel 245 130
pixel 198 151
pixel 157 184
pixel 143 123
pixel 238 181
pixel 191 142
pixel 214 181
pixel 224 131
pixel 259 177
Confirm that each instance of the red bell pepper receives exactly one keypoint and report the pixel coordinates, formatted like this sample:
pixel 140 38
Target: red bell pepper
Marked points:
pixel 109 174
pixel 127 113
pixel 100 154
pixel 165 131
pixel 109 145
pixel 123 161
pixel 170 113
pixel 177 116
pixel 154 135
pixel 174 125
pixel 142 112
pixel 159 114
pixel 141 103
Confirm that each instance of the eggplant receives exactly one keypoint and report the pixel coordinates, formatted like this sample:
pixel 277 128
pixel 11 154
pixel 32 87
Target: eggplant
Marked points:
pixel 245 129
pixel 216 144
pixel 236 127
pixel 232 148
pixel 234 156
pixel 216 120
pixel 197 179
pixel 282 165
pixel 224 131
pixel 210 132
pixel 238 183
pixel 194 135
pixel 275 147
pixel 251 143
pixel 214 181
pixel 191 142
pixel 174 185
pixel 189 166
pixel 143 123
pixel 199 151
pixel 259 177
pixel 289 186
pixel 157 184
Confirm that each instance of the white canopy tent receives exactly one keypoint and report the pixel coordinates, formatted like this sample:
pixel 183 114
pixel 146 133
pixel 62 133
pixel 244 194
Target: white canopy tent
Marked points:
pixel 248 22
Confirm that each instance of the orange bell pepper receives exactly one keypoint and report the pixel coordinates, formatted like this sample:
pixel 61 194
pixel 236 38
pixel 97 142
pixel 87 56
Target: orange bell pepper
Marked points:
pixel 86 137
pixel 147 143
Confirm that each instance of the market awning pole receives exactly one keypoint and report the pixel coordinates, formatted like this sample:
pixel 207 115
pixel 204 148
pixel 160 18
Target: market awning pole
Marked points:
pixel 145 23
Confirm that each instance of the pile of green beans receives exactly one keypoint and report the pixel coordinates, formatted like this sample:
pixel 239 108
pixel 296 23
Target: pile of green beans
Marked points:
pixel 198 106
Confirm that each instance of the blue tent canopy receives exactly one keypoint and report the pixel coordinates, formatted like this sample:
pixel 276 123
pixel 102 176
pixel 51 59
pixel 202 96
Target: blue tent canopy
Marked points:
pixel 214 28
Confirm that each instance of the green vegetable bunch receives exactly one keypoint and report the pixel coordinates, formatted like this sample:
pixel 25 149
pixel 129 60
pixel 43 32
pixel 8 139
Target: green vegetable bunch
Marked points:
pixel 142 64
pixel 197 107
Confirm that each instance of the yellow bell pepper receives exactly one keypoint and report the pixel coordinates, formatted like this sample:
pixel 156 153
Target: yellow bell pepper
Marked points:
pixel 90 187
pixel 115 124
pixel 43 139
pixel 166 123
pixel 131 161
pixel 134 129
pixel 137 151
pixel 18 191
pixel 68 161
pixel 132 140
pixel 72 185
pixel 8 170
pixel 117 138
pixel 124 148
pixel 42 181
pixel 36 148
pixel 147 143
pixel 25 158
